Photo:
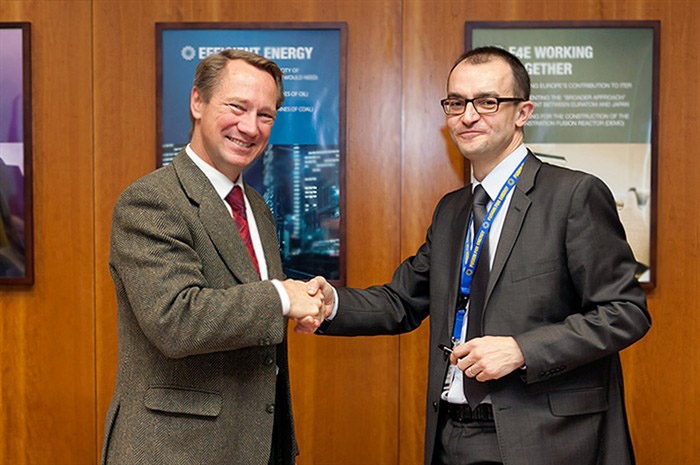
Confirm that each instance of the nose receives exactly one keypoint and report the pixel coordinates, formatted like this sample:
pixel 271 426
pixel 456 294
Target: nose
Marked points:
pixel 248 124
pixel 470 114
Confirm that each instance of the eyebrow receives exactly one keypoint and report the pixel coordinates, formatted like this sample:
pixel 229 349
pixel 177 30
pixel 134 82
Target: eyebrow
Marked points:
pixel 479 95
pixel 244 101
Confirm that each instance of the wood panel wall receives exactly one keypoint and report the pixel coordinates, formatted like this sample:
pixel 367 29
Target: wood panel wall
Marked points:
pixel 357 401
pixel 47 332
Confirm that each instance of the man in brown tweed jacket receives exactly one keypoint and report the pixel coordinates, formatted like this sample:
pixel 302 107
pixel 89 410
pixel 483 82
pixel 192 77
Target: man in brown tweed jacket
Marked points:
pixel 203 373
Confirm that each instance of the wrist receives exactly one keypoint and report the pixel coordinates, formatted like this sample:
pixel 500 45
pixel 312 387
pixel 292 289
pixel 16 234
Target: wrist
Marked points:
pixel 284 296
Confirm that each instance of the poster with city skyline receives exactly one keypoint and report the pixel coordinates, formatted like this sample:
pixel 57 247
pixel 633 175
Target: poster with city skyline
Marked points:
pixel 301 172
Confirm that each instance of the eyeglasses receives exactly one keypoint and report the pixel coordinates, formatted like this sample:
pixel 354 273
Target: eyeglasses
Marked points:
pixel 454 106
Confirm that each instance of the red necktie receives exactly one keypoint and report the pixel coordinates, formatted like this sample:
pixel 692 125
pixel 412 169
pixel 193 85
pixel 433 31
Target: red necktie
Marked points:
pixel 235 199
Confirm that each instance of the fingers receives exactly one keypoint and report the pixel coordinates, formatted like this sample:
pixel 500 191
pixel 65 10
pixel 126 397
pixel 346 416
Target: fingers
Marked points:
pixel 307 325
pixel 301 303
pixel 475 371
pixel 317 284
pixel 461 351
pixel 470 368
pixel 310 303
pixel 465 357
pixel 489 357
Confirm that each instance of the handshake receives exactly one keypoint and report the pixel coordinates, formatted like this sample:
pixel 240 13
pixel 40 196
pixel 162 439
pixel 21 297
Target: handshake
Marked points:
pixel 310 303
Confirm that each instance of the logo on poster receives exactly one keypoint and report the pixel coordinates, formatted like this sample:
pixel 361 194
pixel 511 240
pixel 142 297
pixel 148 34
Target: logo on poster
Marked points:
pixel 188 52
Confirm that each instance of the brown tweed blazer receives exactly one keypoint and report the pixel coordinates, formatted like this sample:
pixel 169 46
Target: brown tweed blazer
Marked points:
pixel 200 336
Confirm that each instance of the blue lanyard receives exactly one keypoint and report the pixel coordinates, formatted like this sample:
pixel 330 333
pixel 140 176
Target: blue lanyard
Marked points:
pixel 473 251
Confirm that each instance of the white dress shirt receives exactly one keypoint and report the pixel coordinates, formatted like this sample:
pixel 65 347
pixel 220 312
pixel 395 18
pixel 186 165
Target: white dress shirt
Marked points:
pixel 223 186
pixel 492 184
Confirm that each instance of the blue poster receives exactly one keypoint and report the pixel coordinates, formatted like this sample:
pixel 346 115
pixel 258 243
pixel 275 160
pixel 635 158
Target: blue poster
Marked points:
pixel 299 172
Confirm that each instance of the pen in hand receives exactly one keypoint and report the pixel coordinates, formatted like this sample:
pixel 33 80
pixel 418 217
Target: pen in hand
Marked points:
pixel 447 351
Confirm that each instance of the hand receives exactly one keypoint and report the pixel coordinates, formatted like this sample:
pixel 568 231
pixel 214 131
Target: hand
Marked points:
pixel 307 325
pixel 489 357
pixel 317 286
pixel 302 304
pixel 319 283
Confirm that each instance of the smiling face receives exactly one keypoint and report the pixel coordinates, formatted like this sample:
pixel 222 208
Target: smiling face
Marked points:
pixel 232 129
pixel 485 140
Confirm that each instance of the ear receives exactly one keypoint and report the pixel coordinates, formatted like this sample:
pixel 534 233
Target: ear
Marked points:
pixel 196 103
pixel 524 112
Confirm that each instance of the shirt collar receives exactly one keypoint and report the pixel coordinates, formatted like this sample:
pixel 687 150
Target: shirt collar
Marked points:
pixel 494 181
pixel 221 183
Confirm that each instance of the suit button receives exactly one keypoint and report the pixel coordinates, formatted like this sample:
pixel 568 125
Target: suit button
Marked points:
pixel 269 361
pixel 270 408
pixel 435 406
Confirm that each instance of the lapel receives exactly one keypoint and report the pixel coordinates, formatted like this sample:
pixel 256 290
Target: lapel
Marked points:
pixel 519 205
pixel 457 239
pixel 216 220
pixel 267 231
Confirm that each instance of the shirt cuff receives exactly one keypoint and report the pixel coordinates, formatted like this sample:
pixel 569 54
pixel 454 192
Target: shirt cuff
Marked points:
pixel 335 304
pixel 284 297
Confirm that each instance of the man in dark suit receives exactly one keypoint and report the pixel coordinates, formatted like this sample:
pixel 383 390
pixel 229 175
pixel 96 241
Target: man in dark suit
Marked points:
pixel 202 313
pixel 535 305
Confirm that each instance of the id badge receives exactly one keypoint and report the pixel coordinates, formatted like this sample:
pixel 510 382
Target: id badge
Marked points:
pixel 456 340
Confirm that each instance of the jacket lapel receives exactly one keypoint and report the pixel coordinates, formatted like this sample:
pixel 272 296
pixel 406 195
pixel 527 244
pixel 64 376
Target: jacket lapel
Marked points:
pixel 215 218
pixel 267 231
pixel 519 204
pixel 460 223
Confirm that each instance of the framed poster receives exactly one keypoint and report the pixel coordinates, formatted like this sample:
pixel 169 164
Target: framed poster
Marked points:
pixel 301 172
pixel 595 88
pixel 16 235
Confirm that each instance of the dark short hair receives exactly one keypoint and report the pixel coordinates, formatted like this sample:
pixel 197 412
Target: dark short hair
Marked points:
pixel 208 72
pixel 485 54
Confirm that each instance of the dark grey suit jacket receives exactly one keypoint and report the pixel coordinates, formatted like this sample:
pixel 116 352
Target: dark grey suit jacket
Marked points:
pixel 562 283
pixel 200 336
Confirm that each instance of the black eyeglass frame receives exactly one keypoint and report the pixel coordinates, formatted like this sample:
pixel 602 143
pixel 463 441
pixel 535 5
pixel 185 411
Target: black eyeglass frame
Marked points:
pixel 467 101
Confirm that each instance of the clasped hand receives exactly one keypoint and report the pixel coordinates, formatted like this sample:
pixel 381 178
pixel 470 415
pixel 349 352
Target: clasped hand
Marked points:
pixel 310 303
